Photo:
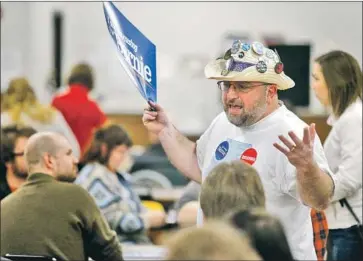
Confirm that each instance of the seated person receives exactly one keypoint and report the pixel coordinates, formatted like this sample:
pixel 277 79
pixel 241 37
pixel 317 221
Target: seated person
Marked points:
pixel 265 232
pixel 231 186
pixel 22 106
pixel 46 217
pixel 14 172
pixel 186 207
pixel 112 191
pixel 81 112
pixel 216 240
pixel 155 158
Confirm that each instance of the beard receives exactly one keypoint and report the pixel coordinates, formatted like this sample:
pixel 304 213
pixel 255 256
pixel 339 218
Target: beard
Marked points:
pixel 69 176
pixel 20 173
pixel 246 117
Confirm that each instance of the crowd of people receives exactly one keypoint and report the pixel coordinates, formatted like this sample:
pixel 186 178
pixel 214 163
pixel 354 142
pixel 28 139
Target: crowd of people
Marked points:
pixel 258 183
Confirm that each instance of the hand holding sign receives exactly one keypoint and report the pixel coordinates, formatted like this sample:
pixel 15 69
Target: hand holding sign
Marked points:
pixel 155 120
pixel 136 53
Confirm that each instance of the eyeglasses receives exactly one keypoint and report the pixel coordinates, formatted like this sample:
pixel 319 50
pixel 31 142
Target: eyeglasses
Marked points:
pixel 239 86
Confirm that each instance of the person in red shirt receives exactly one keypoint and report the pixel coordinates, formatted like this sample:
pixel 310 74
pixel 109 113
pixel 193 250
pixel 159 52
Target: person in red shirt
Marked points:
pixel 81 112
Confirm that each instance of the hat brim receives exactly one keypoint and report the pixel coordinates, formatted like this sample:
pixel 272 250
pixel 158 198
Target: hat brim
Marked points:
pixel 214 69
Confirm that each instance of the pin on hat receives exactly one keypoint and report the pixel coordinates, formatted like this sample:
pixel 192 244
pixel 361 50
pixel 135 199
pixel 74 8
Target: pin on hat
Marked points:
pixel 245 47
pixel 236 44
pixel 270 54
pixel 261 67
pixel 279 67
pixel 234 50
pixel 257 48
pixel 235 47
pixel 227 55
pixel 252 62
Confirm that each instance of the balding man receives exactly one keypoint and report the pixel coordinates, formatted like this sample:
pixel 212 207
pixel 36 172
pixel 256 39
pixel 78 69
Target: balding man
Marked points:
pixel 52 218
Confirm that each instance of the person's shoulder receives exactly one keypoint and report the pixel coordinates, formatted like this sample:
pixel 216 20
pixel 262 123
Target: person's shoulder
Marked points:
pixel 221 117
pixel 95 105
pixel 75 193
pixel 88 172
pixel 125 175
pixel 71 188
pixel 290 121
pixel 62 92
pixel 7 200
pixel 352 115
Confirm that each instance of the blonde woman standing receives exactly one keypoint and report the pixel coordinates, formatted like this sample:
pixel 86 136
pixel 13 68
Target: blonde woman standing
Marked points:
pixel 20 106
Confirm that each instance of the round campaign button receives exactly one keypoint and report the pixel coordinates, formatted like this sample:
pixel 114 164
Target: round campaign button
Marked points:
pixel 257 48
pixel 235 46
pixel 246 47
pixel 279 67
pixel 234 50
pixel 270 54
pixel 261 67
pixel 249 156
pixel 222 150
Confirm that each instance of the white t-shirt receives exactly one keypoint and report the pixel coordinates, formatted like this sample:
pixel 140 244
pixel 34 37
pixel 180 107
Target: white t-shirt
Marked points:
pixel 224 141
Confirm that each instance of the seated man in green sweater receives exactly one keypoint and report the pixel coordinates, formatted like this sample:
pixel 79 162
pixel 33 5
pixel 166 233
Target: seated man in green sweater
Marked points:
pixel 51 218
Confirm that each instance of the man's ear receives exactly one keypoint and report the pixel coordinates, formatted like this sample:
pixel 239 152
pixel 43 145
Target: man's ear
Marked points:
pixel 48 161
pixel 271 91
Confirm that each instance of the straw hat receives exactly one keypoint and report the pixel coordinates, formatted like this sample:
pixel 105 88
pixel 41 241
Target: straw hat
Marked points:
pixel 249 62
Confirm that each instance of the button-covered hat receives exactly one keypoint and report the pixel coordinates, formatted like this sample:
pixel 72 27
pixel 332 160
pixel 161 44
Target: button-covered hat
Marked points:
pixel 249 62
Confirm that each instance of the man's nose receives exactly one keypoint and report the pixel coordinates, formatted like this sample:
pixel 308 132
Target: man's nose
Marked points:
pixel 232 92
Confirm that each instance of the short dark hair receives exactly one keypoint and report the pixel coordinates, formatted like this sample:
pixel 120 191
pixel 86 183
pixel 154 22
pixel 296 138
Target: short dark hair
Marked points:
pixel 265 231
pixel 9 136
pixel 82 74
pixel 343 77
pixel 112 136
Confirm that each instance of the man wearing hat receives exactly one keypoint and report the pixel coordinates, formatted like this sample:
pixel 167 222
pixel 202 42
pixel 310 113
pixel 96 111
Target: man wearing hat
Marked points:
pixel 257 128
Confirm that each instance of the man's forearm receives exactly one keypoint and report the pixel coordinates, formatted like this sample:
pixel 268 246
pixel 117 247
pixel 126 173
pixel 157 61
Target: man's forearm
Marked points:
pixel 181 152
pixel 315 186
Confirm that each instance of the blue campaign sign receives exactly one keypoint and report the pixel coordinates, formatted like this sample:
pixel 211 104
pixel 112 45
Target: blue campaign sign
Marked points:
pixel 136 53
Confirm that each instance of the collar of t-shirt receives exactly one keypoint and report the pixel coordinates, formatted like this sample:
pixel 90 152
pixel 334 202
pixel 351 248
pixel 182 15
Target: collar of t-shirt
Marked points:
pixel 269 120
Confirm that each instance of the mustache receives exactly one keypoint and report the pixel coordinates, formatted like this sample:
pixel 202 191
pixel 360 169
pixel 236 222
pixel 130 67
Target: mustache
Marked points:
pixel 234 103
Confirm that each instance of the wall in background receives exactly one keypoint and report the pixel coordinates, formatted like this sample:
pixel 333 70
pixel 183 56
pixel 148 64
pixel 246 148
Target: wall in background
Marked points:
pixel 14 40
pixel 187 35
